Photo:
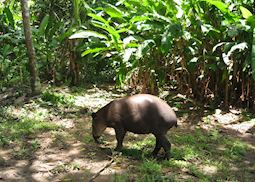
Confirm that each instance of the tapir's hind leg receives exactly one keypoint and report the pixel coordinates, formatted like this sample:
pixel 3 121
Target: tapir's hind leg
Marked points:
pixel 157 147
pixel 166 145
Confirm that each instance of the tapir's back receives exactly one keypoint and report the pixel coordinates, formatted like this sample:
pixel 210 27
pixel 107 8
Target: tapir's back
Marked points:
pixel 143 113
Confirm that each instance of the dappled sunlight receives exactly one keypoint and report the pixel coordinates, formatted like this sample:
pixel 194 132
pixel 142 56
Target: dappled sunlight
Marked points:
pixel 95 98
pixel 110 131
pixel 51 140
pixel 226 118
pixel 208 169
pixel 242 127
pixel 232 120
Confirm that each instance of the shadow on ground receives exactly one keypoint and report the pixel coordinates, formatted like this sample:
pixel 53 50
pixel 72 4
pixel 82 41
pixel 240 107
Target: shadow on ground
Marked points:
pixel 204 146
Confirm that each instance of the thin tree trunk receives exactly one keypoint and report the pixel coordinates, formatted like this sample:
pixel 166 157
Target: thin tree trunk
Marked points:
pixel 73 65
pixel 34 80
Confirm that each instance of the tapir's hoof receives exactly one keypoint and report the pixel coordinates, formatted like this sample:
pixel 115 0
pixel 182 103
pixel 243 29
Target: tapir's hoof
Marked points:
pixel 154 155
pixel 166 158
pixel 118 149
pixel 162 157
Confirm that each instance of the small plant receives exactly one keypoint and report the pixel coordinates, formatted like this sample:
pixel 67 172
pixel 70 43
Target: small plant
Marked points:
pixel 60 139
pixel 64 168
pixel 35 145
pixel 120 178
pixel 88 139
pixel 239 148
pixel 150 167
pixel 57 98
pixel 22 153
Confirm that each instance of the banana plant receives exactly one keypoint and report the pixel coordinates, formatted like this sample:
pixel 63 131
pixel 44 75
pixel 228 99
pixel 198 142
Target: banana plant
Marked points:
pixel 125 32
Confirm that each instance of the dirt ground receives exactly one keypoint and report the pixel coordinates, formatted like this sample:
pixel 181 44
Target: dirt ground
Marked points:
pixel 70 154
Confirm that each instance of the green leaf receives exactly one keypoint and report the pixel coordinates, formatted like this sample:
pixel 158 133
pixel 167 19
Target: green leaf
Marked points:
pixel 9 16
pixel 98 18
pixel 111 30
pixel 66 34
pixel 218 45
pixel 114 12
pixel 161 17
pixel 251 21
pixel 94 50
pixel 248 16
pixel 226 55
pixel 139 19
pixel 241 46
pixel 6 50
pixel 171 31
pixel 144 48
pixel 206 28
pixel 223 7
pixel 114 33
pixel 86 34
pixel 128 53
pixel 166 42
pixel 76 11
pixel 128 39
pixel 245 12
pixel 43 25
pixel 220 5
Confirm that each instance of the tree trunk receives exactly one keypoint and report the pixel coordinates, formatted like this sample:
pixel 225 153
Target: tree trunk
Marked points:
pixel 73 65
pixel 34 80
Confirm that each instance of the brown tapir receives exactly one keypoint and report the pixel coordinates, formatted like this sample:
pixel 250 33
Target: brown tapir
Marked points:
pixel 140 114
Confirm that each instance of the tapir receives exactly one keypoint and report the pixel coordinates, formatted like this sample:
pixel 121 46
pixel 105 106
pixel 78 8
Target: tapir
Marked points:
pixel 140 114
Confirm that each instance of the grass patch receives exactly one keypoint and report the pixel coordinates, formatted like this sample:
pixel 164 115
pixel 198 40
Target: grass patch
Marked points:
pixel 60 139
pixel 57 99
pixel 203 155
pixel 185 153
pixel 196 154
pixel 148 142
pixel 150 167
pixel 140 148
pixel 88 138
pixel 12 130
pixel 234 149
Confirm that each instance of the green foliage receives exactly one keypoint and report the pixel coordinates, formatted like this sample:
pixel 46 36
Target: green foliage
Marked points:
pixel 57 98
pixel 159 39
pixel 13 61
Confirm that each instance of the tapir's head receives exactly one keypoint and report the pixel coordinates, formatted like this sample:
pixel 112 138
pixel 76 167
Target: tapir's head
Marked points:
pixel 98 125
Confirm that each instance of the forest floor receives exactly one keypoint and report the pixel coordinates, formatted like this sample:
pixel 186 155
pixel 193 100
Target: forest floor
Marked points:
pixel 48 138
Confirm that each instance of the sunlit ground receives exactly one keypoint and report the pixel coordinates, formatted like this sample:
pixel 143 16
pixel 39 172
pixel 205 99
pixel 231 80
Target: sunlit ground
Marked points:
pixel 48 138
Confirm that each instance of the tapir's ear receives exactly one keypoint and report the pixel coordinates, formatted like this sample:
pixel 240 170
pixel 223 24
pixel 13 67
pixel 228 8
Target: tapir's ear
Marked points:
pixel 93 115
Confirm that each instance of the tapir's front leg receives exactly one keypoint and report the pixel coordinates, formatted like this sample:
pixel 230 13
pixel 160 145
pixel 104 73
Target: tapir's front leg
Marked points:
pixel 120 134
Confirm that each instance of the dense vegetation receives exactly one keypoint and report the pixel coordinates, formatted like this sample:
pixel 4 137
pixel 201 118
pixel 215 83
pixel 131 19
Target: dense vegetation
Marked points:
pixel 204 49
